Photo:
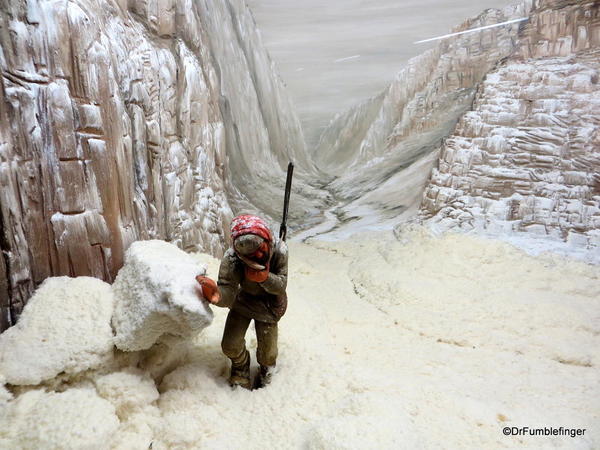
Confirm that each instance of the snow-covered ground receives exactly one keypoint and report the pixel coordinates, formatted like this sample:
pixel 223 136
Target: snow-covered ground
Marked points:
pixel 416 342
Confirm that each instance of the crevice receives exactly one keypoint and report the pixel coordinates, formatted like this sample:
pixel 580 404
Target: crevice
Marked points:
pixel 70 261
pixel 454 342
pixel 105 273
pixel 573 362
pixel 6 316
pixel 19 198
pixel 72 213
pixel 91 132
pixel 72 158
pixel 22 77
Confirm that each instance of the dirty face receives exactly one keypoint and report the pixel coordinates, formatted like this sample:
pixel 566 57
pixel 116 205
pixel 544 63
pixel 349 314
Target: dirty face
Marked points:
pixel 248 244
pixel 253 250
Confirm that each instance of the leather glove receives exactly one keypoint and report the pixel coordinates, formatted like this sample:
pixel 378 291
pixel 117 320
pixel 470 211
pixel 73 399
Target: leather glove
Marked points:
pixel 257 275
pixel 209 289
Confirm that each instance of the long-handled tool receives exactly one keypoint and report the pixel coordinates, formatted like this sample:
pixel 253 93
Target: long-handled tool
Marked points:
pixel 286 202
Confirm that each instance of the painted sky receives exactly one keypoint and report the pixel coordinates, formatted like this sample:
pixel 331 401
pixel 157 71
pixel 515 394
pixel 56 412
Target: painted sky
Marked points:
pixel 333 54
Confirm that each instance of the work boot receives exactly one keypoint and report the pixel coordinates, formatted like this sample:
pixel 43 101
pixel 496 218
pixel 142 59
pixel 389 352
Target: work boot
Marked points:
pixel 264 376
pixel 240 373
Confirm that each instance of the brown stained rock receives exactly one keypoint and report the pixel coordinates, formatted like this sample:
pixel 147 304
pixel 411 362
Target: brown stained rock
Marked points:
pixel 62 125
pixel 78 244
pixel 96 228
pixel 119 121
pixel 72 189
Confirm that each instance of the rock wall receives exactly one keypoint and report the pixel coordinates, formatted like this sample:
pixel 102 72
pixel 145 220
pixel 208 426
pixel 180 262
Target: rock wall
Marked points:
pixel 126 120
pixel 527 157
pixel 383 150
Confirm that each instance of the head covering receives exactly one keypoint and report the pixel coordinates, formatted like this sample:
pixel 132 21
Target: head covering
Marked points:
pixel 249 224
pixel 252 240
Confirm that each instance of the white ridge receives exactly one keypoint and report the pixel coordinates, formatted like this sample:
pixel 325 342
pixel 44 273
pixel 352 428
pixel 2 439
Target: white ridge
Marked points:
pixel 472 30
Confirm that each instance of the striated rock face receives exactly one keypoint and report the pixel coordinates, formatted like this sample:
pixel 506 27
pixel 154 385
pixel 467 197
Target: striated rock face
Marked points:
pixel 122 121
pixel 383 150
pixel 527 157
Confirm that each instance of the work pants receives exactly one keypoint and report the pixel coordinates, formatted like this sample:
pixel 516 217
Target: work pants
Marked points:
pixel 234 342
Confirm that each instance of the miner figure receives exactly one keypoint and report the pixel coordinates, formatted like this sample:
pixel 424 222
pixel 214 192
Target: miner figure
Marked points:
pixel 252 282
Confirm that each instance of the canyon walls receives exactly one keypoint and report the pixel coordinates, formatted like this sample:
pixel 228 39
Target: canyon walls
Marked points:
pixel 383 150
pixel 126 120
pixel 495 132
pixel 527 157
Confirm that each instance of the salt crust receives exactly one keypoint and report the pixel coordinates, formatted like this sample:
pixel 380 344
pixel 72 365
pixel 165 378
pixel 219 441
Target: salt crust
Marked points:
pixel 156 293
pixel 414 342
pixel 77 418
pixel 65 327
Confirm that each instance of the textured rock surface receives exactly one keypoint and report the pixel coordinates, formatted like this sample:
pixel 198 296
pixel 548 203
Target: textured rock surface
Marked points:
pixel 65 328
pixel 514 112
pixel 527 157
pixel 122 121
pixel 375 147
pixel 155 294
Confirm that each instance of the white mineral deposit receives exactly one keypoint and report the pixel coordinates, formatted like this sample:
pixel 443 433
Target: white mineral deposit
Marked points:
pixel 411 341
pixel 443 236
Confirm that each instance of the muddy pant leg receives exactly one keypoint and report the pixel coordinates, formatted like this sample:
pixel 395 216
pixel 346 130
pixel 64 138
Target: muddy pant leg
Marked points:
pixel 233 343
pixel 266 337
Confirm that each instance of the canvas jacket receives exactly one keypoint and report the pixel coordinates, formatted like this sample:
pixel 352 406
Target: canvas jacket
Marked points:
pixel 266 301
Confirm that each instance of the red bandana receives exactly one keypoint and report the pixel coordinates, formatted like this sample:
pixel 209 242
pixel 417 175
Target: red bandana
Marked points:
pixel 249 224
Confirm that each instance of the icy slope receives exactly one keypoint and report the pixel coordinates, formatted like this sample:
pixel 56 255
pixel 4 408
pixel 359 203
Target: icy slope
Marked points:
pixel 419 342
pixel 527 157
pixel 134 120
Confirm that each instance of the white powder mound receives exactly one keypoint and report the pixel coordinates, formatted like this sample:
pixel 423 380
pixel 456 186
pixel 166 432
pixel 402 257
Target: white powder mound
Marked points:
pixel 77 418
pixel 525 303
pixel 156 293
pixel 65 327
pixel 168 353
pixel 420 342
pixel 128 391
pixel 137 432
pixel 375 423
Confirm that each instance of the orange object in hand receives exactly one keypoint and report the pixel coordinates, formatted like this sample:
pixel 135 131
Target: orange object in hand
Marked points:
pixel 257 275
pixel 210 290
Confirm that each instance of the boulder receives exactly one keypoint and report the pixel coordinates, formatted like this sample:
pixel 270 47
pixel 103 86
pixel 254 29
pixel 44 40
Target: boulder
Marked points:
pixel 156 294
